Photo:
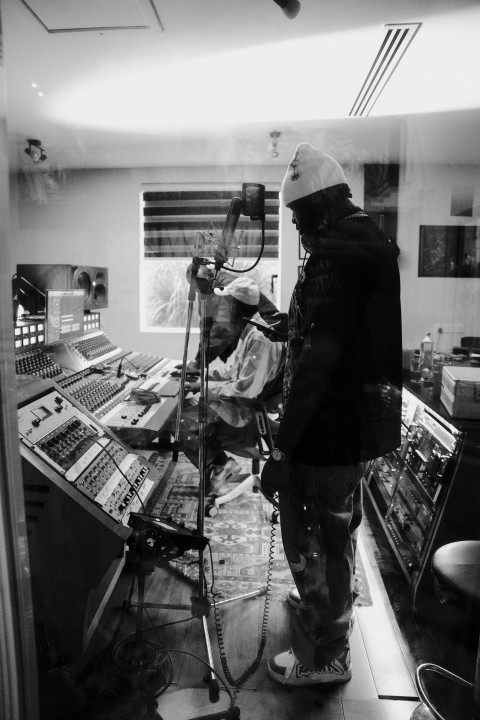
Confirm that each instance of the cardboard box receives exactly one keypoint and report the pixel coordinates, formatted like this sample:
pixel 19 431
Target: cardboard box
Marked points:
pixel 460 392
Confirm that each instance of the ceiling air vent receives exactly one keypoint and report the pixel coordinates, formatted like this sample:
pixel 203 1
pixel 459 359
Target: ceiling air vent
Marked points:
pixel 397 38
pixel 70 16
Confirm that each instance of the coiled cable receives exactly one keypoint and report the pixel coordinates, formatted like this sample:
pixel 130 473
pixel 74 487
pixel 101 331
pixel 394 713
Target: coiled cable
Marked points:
pixel 241 680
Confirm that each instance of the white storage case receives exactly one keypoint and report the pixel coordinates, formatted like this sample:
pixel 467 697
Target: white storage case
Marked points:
pixel 460 393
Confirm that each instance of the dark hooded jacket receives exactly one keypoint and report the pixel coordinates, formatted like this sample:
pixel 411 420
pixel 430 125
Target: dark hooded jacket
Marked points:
pixel 343 374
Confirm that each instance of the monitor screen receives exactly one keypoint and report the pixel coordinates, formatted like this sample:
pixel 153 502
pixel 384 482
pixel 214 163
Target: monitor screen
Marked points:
pixel 64 314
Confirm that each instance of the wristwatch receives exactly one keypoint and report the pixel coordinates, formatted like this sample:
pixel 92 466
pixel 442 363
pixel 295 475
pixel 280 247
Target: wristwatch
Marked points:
pixel 278 454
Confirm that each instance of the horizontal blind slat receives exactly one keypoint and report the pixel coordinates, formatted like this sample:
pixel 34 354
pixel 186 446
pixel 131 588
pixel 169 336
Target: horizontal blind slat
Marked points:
pixel 173 220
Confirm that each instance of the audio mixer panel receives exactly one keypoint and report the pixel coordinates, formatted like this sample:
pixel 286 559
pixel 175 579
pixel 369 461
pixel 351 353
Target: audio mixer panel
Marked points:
pixel 38 362
pixel 141 424
pixel 29 332
pixel 424 493
pixel 95 390
pixel 81 484
pixel 130 392
pixel 80 353
pixel 144 363
pixel 134 407
pixel 79 450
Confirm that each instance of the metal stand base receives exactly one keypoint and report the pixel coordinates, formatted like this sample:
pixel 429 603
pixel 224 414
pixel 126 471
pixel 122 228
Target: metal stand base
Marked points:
pixel 430 712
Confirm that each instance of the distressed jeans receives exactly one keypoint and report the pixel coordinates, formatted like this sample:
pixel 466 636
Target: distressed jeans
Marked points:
pixel 320 513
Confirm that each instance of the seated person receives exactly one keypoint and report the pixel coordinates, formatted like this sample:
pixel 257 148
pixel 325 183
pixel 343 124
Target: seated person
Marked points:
pixel 255 362
pixel 225 318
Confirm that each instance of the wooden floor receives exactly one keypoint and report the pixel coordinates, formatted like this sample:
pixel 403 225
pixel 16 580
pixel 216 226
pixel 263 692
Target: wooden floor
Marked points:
pixel 382 686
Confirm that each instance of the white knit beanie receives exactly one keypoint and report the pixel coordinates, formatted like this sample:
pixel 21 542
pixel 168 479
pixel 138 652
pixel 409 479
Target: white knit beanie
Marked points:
pixel 309 171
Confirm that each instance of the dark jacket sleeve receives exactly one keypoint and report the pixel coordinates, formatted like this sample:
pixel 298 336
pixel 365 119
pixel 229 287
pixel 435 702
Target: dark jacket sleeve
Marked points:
pixel 325 337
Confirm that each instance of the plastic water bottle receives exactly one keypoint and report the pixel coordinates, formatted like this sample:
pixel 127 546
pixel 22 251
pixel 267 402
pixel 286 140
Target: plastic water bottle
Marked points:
pixel 426 352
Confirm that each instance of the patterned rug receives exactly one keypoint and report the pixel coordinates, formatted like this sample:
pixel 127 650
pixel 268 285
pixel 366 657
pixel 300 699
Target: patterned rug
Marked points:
pixel 240 536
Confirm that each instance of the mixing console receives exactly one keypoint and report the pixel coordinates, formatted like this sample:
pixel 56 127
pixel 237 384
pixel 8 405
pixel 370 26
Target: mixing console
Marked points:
pixel 80 353
pixel 94 391
pixel 148 364
pixel 135 407
pixel 130 392
pixel 77 448
pixel 38 362
pixel 94 346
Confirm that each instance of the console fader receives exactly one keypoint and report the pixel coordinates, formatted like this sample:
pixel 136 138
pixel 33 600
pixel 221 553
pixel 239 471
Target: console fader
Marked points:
pixel 38 362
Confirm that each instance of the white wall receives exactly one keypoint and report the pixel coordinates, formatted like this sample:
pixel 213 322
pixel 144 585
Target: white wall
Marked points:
pixel 92 217
pixel 425 199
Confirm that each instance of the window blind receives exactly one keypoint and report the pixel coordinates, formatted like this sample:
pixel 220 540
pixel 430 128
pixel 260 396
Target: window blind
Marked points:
pixel 173 218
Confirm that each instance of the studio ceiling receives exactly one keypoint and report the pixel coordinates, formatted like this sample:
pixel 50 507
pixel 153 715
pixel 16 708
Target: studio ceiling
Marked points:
pixel 131 83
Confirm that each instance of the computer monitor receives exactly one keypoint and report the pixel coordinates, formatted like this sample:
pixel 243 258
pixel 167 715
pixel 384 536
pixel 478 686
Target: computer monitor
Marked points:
pixel 64 315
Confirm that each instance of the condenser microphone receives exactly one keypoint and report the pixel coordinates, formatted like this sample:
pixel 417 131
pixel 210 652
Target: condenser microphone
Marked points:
pixel 222 253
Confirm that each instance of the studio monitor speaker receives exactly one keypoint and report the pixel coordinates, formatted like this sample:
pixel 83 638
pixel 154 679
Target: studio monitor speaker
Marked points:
pixel 34 280
pixel 94 282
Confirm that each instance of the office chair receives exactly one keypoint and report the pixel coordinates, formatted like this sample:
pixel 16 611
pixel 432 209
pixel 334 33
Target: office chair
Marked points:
pixel 456 567
pixel 268 403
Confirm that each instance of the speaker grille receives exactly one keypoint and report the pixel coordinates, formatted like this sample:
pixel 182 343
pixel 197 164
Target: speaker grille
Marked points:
pixel 34 280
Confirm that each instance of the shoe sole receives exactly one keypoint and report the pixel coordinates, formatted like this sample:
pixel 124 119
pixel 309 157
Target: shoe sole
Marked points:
pixel 308 682
pixel 295 604
pixel 226 486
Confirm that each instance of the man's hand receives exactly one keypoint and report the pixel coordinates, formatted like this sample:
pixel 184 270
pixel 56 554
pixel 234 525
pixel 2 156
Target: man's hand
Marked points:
pixel 215 375
pixel 274 477
pixel 273 335
pixel 192 387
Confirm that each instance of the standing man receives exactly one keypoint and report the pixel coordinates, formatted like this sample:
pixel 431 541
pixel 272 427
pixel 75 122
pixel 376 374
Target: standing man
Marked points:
pixel 342 407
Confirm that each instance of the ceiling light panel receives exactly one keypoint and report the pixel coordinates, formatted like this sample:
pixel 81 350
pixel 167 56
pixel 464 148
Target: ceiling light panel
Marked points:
pixel 94 15
pixel 395 42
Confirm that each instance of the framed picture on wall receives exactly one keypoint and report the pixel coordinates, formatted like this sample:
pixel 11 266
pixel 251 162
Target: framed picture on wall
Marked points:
pixel 449 251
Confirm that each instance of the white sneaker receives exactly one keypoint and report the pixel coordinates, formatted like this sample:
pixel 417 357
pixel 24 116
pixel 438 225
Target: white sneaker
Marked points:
pixel 288 670
pixel 294 600
pixel 223 476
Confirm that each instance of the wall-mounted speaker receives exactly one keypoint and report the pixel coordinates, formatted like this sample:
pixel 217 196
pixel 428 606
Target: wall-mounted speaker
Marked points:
pixel 32 281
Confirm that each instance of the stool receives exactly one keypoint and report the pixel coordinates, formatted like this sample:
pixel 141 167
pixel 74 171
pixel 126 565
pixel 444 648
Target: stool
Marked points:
pixel 457 568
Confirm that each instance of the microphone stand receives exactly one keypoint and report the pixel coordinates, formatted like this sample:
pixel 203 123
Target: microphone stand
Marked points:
pixel 196 262
pixel 200 605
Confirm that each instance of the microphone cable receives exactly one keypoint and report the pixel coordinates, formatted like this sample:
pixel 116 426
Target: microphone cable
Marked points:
pixel 241 680
pixel 262 246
